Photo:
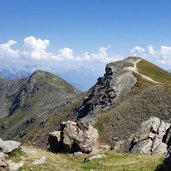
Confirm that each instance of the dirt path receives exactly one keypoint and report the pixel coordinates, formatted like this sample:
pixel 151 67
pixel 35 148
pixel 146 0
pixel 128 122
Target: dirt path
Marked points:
pixel 135 69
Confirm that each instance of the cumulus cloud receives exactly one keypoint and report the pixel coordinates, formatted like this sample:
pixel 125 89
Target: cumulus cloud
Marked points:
pixel 37 49
pixel 6 49
pixel 65 53
pixel 137 49
pixel 161 55
pixel 101 56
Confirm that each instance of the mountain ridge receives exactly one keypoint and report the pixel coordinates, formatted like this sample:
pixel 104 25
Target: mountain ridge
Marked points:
pixel 32 101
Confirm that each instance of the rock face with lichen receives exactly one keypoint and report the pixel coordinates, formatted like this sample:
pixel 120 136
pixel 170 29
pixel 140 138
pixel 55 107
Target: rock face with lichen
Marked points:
pixel 75 136
pixel 152 137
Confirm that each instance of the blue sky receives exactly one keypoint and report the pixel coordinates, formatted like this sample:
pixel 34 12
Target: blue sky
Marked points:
pixel 85 25
pixel 111 29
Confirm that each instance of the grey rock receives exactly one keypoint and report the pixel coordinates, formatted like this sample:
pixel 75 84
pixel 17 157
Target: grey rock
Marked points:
pixel 149 137
pixel 2 155
pixel 95 151
pixel 15 166
pixel 79 135
pixel 42 160
pixel 162 148
pixel 143 146
pixel 97 156
pixel 8 146
pixel 78 153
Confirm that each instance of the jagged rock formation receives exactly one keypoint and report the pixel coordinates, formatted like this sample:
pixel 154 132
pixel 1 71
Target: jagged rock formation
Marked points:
pixel 115 84
pixel 73 137
pixel 152 137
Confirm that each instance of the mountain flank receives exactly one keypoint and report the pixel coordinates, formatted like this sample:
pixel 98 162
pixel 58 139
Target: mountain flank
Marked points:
pixel 27 102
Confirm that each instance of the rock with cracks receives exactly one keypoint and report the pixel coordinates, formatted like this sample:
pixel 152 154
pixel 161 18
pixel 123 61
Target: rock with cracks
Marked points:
pixel 74 137
pixel 150 138
pixel 153 137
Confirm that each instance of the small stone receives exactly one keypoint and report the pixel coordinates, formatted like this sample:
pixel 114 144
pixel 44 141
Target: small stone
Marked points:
pixel 78 153
pixel 97 156
pixel 40 161
pixel 15 166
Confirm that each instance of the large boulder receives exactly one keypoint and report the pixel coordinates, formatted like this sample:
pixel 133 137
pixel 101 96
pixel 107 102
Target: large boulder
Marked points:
pixel 8 146
pixel 79 136
pixel 153 136
pixel 75 136
pixel 149 137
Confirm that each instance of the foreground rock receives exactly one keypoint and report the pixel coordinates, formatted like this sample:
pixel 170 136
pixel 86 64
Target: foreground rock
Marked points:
pixel 152 137
pixel 8 146
pixel 40 161
pixel 15 166
pixel 97 156
pixel 75 136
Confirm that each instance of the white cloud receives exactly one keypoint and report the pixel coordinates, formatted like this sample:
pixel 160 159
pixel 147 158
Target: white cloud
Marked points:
pixel 65 53
pixel 7 51
pixel 35 48
pixel 101 56
pixel 161 55
pixel 137 49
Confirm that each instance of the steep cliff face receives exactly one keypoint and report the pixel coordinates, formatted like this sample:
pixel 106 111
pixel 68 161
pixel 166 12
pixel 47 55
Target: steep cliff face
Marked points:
pixel 109 89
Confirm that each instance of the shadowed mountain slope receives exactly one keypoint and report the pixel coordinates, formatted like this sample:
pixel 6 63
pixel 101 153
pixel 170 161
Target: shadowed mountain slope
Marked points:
pixel 27 102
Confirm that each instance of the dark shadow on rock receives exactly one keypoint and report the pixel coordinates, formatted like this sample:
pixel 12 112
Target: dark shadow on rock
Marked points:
pixel 161 167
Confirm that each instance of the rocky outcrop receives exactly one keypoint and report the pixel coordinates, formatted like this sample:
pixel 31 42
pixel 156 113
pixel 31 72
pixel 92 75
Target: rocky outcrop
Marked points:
pixel 115 84
pixel 6 147
pixel 152 137
pixel 74 136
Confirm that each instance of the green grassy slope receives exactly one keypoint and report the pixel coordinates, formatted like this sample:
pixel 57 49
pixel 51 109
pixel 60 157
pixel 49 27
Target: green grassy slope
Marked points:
pixel 39 135
pixel 153 71
pixel 33 102
pixel 66 162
